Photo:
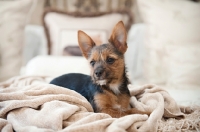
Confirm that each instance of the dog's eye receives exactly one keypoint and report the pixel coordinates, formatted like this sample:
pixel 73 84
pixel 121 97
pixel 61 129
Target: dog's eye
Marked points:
pixel 92 62
pixel 110 60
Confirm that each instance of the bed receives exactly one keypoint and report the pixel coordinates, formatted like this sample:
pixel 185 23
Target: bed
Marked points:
pixel 29 103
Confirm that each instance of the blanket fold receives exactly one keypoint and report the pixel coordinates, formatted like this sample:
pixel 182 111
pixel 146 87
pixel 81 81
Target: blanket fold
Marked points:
pixel 29 103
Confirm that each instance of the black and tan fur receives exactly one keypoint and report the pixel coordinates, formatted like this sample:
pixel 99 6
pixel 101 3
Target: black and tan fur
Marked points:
pixel 106 88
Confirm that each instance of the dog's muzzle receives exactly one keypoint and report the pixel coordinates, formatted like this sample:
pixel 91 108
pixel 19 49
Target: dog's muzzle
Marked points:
pixel 99 75
pixel 99 72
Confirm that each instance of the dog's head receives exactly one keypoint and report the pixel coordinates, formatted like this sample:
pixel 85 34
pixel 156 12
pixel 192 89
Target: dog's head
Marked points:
pixel 106 60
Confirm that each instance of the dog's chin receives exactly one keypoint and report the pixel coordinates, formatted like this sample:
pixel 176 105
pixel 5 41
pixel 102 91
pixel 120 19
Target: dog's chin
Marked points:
pixel 101 82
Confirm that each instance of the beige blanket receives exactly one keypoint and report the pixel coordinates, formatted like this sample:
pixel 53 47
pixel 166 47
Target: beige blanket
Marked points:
pixel 31 104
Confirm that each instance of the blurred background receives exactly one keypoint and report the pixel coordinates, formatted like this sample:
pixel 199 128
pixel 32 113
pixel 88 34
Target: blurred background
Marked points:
pixel 39 37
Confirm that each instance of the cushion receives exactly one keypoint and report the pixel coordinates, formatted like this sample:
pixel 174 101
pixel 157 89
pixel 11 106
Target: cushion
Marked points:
pixel 57 65
pixel 61 27
pixel 72 51
pixel 135 53
pixel 172 42
pixel 35 42
pixel 13 16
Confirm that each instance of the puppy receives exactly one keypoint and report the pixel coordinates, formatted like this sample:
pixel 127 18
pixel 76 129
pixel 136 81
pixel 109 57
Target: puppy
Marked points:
pixel 106 89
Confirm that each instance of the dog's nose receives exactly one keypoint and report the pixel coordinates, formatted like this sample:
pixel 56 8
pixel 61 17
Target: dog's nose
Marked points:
pixel 99 72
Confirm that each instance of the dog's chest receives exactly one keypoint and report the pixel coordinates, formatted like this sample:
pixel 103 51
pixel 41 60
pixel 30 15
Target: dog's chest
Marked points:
pixel 107 100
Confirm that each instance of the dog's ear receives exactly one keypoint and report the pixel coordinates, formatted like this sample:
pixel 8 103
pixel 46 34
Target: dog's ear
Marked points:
pixel 85 43
pixel 118 37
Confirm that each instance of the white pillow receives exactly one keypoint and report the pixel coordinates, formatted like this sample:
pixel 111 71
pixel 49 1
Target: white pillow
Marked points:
pixel 57 65
pixel 172 42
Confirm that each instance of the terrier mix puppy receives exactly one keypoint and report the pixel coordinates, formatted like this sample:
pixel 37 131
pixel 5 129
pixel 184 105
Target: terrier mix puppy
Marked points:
pixel 106 89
